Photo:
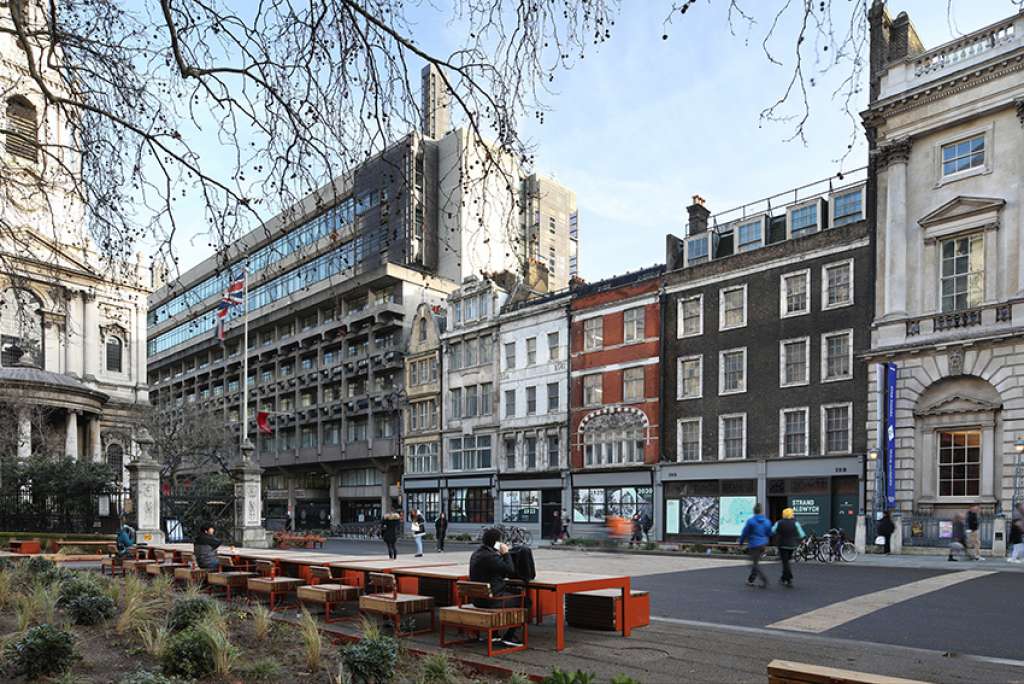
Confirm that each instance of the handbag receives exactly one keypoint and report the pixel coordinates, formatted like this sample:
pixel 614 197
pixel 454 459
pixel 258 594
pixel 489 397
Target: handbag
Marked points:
pixel 879 540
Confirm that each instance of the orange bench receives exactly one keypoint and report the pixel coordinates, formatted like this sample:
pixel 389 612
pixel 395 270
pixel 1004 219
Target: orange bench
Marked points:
pixel 602 609
pixel 24 546
pixel 488 620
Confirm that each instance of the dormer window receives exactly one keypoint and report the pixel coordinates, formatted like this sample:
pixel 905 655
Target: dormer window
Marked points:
pixel 848 207
pixel 750 235
pixel 803 220
pixel 696 250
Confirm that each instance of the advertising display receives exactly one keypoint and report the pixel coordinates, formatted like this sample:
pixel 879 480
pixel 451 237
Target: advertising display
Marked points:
pixel 733 514
pixel 890 435
pixel 699 515
pixel 812 512
pixel 672 516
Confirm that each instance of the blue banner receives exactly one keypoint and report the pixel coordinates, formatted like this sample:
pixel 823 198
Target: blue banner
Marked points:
pixel 890 435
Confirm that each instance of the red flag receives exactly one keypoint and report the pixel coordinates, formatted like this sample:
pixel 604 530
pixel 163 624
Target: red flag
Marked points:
pixel 263 424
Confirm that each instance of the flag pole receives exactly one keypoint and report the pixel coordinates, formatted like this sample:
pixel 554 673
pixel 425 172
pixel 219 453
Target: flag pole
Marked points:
pixel 245 355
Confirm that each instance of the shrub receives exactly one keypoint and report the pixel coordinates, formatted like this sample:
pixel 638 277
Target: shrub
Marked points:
pixel 147 677
pixel 6 588
pixel 312 642
pixel 189 612
pixel 91 610
pixel 154 639
pixel 222 651
pixel 438 669
pixel 261 621
pixel 577 677
pixel 188 655
pixel 77 585
pixel 44 650
pixel 623 679
pixel 262 670
pixel 371 661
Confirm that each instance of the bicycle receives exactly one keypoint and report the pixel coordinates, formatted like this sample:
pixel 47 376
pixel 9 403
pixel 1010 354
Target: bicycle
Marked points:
pixel 807 549
pixel 835 546
pixel 511 535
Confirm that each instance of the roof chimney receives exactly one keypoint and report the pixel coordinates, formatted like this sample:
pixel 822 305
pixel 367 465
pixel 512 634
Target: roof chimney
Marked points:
pixel 699 213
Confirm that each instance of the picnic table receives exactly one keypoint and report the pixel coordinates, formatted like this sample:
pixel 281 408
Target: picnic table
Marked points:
pixel 436 581
pixel 99 544
pixel 562 583
pixel 355 572
pixel 24 546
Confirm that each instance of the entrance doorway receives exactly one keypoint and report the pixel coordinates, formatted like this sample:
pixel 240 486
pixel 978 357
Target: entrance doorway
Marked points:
pixel 550 504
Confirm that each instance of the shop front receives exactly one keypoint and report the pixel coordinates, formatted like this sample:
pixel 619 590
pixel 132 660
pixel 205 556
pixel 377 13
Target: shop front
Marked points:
pixel 712 501
pixel 534 504
pixel 469 502
pixel 597 497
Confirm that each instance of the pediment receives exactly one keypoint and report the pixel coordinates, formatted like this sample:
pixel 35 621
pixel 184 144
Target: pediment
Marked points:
pixel 31 246
pixel 961 207
pixel 958 403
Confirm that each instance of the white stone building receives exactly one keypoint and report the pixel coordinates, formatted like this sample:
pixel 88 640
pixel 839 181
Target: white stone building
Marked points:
pixel 470 416
pixel 946 127
pixel 72 335
pixel 533 441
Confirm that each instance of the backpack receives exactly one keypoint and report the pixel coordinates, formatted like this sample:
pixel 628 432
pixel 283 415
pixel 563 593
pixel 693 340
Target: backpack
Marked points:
pixel 522 561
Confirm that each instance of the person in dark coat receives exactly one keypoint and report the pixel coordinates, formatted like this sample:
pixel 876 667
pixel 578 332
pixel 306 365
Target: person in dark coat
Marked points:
pixel 440 529
pixel 204 547
pixel 788 533
pixel 389 530
pixel 636 531
pixel 886 527
pixel 491 563
pixel 958 544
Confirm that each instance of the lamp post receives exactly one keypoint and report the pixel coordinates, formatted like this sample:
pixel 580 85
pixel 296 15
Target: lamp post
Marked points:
pixel 1018 471
pixel 873 457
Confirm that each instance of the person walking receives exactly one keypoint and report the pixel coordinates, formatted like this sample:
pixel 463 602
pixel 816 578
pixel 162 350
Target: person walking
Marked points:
pixel 565 525
pixel 440 530
pixel 637 531
pixel 958 544
pixel 419 530
pixel 973 533
pixel 389 530
pixel 789 534
pixel 556 526
pixel 756 534
pixel 646 522
pixel 1017 535
pixel 886 527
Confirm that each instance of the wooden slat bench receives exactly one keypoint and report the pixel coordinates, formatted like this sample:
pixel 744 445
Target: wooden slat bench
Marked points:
pixel 325 592
pixel 385 601
pixel 788 672
pixel 112 565
pixel 488 620
pixel 270 584
pixel 164 565
pixel 230 577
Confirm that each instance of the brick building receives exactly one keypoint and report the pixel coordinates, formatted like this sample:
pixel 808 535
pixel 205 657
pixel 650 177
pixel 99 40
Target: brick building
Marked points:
pixel 614 409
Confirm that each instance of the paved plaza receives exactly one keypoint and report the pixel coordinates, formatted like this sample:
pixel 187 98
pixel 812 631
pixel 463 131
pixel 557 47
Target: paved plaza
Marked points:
pixel 917 617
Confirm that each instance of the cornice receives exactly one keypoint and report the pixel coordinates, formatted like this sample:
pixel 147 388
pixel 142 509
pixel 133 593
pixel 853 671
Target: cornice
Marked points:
pixel 954 85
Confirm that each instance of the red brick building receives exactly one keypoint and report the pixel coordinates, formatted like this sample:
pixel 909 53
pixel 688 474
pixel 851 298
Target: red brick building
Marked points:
pixel 615 383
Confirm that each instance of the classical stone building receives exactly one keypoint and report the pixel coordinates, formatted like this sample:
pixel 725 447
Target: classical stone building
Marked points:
pixel 946 129
pixel 72 324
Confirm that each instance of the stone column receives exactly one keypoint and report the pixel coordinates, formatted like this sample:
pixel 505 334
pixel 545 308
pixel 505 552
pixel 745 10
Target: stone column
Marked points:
pixel 999 537
pixel 335 503
pixel 895 155
pixel 137 361
pixel 248 530
pixel 90 335
pixel 144 479
pixel 95 440
pixel 71 435
pixel 24 435
pixel 73 332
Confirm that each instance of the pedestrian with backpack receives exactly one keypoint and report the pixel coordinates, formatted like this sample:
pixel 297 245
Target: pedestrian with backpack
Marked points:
pixel 756 534
pixel 789 533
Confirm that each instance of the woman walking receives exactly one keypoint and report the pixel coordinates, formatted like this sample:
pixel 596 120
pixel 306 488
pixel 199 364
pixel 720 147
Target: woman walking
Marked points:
pixel 789 535
pixel 389 532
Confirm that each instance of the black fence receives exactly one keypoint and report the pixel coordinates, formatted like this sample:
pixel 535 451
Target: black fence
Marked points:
pixel 94 513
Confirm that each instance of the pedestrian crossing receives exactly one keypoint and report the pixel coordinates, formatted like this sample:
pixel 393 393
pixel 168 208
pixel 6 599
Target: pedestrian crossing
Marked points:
pixel 831 616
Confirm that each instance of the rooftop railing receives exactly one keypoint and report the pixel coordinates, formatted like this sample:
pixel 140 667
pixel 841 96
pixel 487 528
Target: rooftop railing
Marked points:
pixel 970 46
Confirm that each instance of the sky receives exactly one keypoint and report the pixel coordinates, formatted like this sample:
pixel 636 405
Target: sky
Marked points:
pixel 643 123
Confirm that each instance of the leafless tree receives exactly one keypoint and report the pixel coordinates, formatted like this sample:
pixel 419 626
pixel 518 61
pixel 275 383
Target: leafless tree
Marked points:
pixel 190 439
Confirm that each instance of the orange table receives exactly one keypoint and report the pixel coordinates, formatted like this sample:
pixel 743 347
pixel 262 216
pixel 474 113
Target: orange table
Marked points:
pixel 426 580
pixel 562 583
pixel 355 572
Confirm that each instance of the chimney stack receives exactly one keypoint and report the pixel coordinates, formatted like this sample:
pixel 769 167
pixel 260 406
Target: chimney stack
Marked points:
pixel 699 213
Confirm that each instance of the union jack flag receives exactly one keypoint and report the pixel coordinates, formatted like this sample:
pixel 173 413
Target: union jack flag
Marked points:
pixel 232 297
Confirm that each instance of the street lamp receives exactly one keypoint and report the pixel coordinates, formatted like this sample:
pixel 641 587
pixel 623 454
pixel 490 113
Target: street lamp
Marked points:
pixel 873 457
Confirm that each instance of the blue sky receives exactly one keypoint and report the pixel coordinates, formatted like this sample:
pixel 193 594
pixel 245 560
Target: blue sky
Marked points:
pixel 642 123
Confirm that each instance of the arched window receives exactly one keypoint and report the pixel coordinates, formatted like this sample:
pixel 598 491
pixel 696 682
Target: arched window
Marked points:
pixel 614 438
pixel 115 459
pixel 22 125
pixel 21 327
pixel 115 354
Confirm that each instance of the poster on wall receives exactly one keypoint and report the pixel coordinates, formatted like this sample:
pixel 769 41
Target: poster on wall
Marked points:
pixel 811 512
pixel 672 516
pixel 890 435
pixel 733 514
pixel 699 515
pixel 945 529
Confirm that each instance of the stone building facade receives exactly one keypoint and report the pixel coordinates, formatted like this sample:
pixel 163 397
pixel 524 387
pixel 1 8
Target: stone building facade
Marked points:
pixel 946 130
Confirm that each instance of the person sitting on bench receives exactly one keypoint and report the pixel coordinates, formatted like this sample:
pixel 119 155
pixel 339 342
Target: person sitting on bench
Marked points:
pixel 491 563
pixel 125 541
pixel 205 548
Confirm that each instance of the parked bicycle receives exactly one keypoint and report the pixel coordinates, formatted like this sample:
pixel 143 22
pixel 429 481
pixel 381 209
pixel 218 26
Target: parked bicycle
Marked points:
pixel 511 535
pixel 808 548
pixel 835 546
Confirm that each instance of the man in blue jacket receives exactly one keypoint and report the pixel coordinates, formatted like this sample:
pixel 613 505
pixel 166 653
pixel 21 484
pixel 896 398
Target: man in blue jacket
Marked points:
pixel 756 534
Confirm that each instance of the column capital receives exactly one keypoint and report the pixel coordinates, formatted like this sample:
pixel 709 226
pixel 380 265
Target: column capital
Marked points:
pixel 1019 104
pixel 894 152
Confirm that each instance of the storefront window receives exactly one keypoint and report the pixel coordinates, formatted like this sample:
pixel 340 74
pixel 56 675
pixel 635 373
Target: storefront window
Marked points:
pixel 521 506
pixel 472 505
pixel 595 505
pixel 427 502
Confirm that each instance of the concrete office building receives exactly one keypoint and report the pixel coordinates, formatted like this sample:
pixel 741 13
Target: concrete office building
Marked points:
pixel 552 229
pixel 767 308
pixel 335 283
pixel 946 127
pixel 533 440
